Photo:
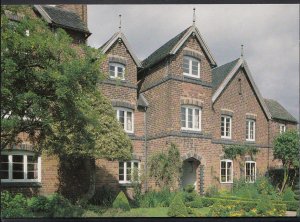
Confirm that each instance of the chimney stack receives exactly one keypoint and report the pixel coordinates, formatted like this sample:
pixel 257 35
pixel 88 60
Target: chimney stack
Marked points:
pixel 79 9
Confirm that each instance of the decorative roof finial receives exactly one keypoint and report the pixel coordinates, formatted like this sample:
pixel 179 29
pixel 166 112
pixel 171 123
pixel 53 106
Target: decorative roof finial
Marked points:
pixel 242 51
pixel 120 24
pixel 194 17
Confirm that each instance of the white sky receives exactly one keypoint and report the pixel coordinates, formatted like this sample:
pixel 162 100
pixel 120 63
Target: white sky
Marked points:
pixel 270 34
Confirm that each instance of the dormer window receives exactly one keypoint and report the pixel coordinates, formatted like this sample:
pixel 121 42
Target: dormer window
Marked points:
pixel 191 67
pixel 116 71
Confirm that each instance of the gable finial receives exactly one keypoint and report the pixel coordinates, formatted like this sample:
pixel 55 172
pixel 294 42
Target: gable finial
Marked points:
pixel 242 51
pixel 194 17
pixel 120 22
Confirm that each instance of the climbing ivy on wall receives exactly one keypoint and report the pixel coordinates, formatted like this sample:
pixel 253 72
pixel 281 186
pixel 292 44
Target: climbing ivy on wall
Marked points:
pixel 233 151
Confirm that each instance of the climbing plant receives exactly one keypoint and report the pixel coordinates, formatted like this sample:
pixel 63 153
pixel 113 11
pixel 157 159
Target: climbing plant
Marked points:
pixel 233 151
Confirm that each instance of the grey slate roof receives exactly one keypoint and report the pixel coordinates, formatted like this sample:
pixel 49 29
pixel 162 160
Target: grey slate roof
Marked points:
pixel 65 18
pixel 163 51
pixel 278 111
pixel 220 73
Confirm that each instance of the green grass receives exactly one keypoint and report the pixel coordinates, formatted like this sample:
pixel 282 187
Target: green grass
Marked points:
pixel 141 212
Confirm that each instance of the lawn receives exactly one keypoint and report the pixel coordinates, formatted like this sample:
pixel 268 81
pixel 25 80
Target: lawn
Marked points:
pixel 141 212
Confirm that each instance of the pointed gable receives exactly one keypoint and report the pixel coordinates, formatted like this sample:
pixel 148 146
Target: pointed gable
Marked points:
pixel 223 75
pixel 173 45
pixel 119 35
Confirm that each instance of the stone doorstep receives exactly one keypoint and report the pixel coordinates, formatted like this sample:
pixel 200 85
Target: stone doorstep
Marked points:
pixel 291 213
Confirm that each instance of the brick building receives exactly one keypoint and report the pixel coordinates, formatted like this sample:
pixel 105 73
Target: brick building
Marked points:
pixel 179 95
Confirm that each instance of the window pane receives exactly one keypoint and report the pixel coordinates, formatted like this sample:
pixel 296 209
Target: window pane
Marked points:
pixel 186 64
pixel 32 159
pixel 18 167
pixel 183 115
pixel 129 121
pixel 222 126
pixel 111 71
pixel 247 129
pixel 227 129
pixel 32 175
pixel 121 117
pixel 120 72
pixel 31 167
pixel 190 118
pixel 18 175
pixel 195 67
pixel 196 119
pixel 128 171
pixel 121 170
pixel 4 174
pixel 18 158
pixel 223 164
pixel 4 158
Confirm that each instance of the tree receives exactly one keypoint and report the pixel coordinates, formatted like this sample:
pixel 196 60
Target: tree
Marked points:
pixel 165 168
pixel 286 149
pixel 50 90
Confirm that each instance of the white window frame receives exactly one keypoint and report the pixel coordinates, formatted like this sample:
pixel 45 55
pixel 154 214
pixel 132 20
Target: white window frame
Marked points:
pixel 191 59
pixel 116 65
pixel 125 118
pixel 226 161
pixel 282 128
pixel 125 181
pixel 193 120
pixel 250 176
pixel 10 166
pixel 230 127
pixel 248 124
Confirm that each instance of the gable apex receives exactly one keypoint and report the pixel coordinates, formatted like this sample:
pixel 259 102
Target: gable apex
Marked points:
pixel 119 35
pixel 240 63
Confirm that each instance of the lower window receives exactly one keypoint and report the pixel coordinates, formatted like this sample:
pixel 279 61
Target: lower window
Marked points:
pixel 20 166
pixel 226 171
pixel 250 171
pixel 128 171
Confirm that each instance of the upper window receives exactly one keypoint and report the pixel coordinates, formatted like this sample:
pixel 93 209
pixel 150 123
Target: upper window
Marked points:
pixel 250 171
pixel 226 171
pixel 226 127
pixel 125 116
pixel 282 128
pixel 116 70
pixel 190 118
pixel 127 171
pixel 191 66
pixel 20 167
pixel 250 130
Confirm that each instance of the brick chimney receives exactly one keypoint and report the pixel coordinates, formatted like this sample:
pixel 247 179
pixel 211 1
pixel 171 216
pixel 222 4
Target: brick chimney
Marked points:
pixel 81 10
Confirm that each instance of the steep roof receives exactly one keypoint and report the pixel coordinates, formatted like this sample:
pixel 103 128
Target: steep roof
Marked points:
pixel 62 17
pixel 221 72
pixel 278 111
pixel 172 46
pixel 223 75
pixel 113 39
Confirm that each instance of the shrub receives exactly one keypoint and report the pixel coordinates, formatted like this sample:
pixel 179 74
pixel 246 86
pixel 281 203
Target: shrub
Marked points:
pixel 207 201
pixel 212 191
pixel 288 195
pixel 177 208
pixel 219 209
pixel 38 204
pixel 13 206
pixel 62 207
pixel 264 206
pixel 291 205
pixel 161 198
pixel 104 196
pixel 121 202
pixel 189 188
pixel 197 203
pixel 280 210
pixel 298 212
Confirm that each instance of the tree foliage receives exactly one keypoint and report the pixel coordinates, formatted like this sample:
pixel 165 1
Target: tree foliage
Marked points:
pixel 50 90
pixel 165 168
pixel 286 149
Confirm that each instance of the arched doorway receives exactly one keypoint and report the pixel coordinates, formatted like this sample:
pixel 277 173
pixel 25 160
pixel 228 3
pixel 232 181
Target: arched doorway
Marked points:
pixel 190 169
pixel 189 172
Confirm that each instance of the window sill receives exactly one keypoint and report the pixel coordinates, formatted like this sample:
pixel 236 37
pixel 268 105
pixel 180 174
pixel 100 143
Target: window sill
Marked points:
pixel 185 76
pixel 191 131
pixel 226 182
pixel 126 184
pixel 21 184
pixel 226 138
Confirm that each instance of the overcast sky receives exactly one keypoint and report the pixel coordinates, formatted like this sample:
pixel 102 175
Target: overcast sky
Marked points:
pixel 270 34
